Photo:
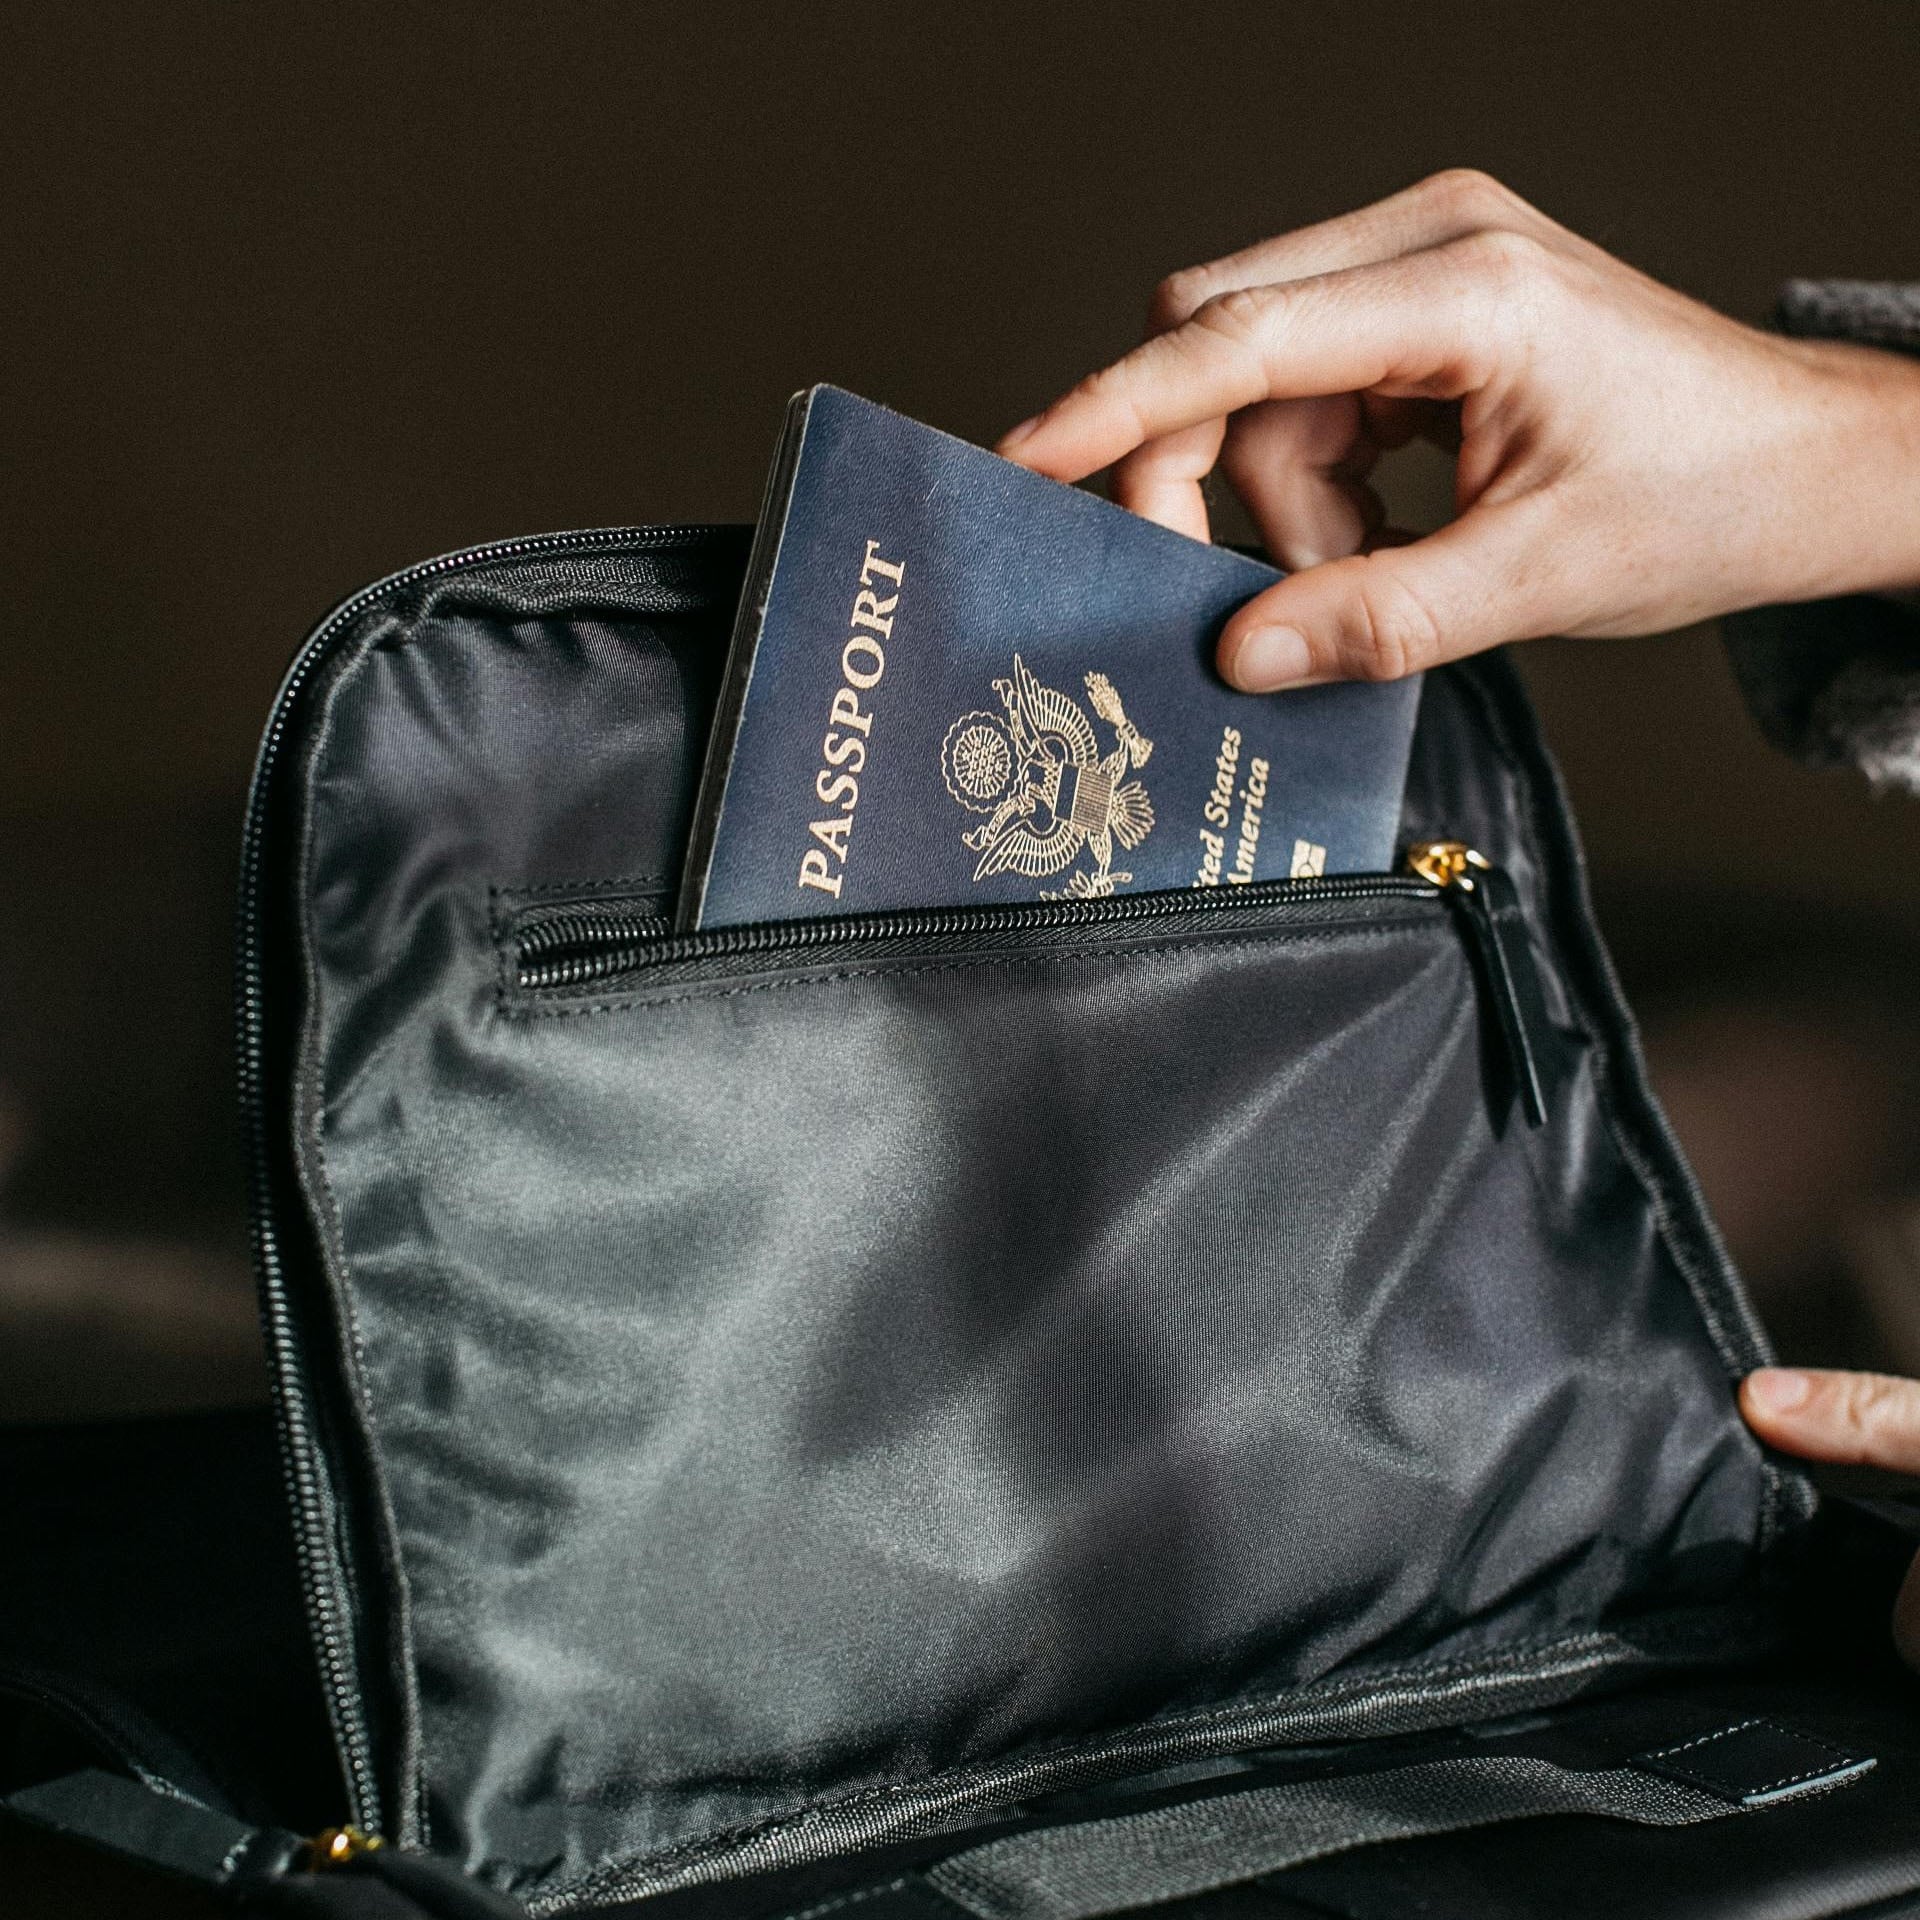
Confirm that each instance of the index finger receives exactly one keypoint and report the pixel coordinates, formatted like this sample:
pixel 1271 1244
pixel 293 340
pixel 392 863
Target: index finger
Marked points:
pixel 1415 327
pixel 1444 206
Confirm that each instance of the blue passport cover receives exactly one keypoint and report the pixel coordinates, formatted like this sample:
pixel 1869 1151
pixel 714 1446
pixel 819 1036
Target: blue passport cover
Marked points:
pixel 953 681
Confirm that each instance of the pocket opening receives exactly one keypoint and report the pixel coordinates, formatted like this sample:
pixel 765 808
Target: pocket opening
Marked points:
pixel 595 942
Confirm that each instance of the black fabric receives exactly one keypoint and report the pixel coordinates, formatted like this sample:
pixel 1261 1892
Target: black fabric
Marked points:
pixel 1142 1860
pixel 1837 1854
pixel 365 1896
pixel 386 1885
pixel 779 1412
pixel 165 1831
pixel 1824 1855
pixel 264 1869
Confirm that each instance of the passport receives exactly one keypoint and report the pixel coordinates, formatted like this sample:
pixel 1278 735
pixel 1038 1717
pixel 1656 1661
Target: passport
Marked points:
pixel 953 681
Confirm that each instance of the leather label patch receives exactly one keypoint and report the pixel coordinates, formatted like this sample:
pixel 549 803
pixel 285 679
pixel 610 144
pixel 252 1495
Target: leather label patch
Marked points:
pixel 1755 1763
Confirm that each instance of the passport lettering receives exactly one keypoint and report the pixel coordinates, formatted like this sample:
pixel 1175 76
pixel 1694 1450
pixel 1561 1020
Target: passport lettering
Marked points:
pixel 1218 812
pixel 863 663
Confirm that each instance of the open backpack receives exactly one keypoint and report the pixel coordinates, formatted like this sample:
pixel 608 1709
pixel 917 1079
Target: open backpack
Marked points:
pixel 1218 1402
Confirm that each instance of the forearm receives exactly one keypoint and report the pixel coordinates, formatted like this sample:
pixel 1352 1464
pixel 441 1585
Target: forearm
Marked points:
pixel 1832 669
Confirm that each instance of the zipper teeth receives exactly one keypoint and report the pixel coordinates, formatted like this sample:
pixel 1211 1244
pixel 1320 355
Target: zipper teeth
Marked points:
pixel 568 939
pixel 303 1478
pixel 578 950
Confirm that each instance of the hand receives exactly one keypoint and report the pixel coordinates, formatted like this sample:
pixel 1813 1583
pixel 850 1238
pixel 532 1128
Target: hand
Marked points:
pixel 1627 460
pixel 1857 1419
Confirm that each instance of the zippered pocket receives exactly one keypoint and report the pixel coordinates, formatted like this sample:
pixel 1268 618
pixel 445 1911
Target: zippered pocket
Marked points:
pixel 562 950
pixel 871 1352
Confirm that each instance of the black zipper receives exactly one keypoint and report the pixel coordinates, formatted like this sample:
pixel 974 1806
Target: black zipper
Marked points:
pixel 584 946
pixel 326 1603
pixel 595 944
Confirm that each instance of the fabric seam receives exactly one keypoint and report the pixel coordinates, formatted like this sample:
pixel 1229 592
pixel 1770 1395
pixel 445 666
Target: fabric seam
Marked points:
pixel 397 1635
pixel 1583 1653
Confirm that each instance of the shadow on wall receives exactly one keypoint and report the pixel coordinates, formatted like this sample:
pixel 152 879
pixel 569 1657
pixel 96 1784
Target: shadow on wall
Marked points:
pixel 1784 1040
pixel 125 1285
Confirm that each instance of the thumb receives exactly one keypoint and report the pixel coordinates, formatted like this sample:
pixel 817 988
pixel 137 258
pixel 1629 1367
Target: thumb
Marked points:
pixel 1858 1419
pixel 1398 609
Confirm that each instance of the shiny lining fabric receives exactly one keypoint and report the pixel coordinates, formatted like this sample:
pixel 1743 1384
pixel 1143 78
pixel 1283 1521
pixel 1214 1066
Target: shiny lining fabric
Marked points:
pixel 810 1386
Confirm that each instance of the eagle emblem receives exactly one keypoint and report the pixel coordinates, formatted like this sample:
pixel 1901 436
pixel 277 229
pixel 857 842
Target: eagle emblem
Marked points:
pixel 1036 771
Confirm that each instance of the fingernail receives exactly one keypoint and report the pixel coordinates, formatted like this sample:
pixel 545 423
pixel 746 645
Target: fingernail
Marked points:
pixel 1778 1389
pixel 1023 431
pixel 1271 657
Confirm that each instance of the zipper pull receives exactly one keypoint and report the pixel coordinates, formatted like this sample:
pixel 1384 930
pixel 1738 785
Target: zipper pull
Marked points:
pixel 1489 908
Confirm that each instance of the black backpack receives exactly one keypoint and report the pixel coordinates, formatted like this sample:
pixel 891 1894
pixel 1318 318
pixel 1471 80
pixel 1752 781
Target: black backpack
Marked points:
pixel 1221 1401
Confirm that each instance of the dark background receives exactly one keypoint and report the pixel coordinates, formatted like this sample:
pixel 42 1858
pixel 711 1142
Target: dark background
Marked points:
pixel 295 296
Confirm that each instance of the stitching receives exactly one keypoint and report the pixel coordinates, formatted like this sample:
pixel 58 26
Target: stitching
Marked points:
pixel 230 1860
pixel 547 889
pixel 842 1901
pixel 116 1734
pixel 1793 1779
pixel 1201 1721
pixel 499 936
pixel 1834 1754
pixel 1707 1739
pixel 1376 931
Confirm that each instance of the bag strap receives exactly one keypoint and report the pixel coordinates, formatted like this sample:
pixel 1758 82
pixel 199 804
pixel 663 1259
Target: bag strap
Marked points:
pixel 1128 1861
pixel 267 1869
pixel 1082 1871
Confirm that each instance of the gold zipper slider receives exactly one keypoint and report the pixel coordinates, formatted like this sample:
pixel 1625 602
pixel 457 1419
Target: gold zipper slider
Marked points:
pixel 1488 906
pixel 335 1846
pixel 1446 863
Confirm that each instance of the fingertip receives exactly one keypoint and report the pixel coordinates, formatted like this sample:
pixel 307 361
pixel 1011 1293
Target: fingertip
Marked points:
pixel 1772 1393
pixel 1015 437
pixel 1179 506
pixel 1041 446
pixel 1266 658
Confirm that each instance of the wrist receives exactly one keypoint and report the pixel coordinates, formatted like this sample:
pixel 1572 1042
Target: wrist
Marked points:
pixel 1846 517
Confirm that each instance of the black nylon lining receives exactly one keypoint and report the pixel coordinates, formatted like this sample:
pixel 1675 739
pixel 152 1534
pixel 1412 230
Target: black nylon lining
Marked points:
pixel 791 1400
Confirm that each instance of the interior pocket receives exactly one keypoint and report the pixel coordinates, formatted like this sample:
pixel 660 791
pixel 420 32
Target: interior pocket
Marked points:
pixel 855 1371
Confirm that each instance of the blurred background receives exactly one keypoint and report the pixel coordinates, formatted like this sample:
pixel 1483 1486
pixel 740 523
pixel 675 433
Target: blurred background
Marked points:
pixel 295 296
